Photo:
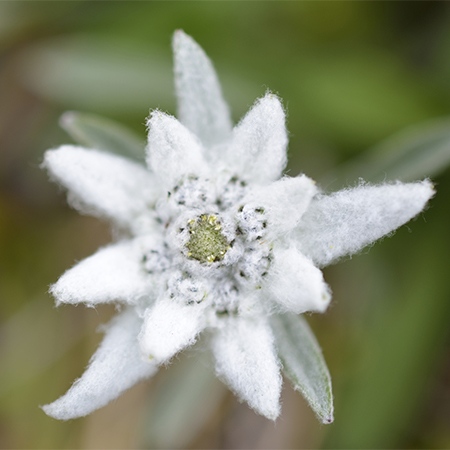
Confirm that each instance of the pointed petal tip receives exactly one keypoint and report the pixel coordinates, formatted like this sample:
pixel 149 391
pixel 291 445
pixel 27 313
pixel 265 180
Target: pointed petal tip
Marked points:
pixel 201 107
pixel 346 221
pixel 271 410
pixel 112 274
pixel 173 151
pixel 428 188
pixel 115 367
pixel 178 36
pixel 54 159
pixel 418 193
pixel 52 410
pixel 325 298
pixel 271 104
pixel 49 157
pixel 67 119
pixel 47 409
pixel 182 42
pixel 152 117
pixel 56 293
pixel 62 409
pixel 326 415
pixel 246 361
pixel 327 420
pixel 158 118
pixel 270 96
pixel 181 39
pixel 161 125
pixel 272 414
pixel 258 148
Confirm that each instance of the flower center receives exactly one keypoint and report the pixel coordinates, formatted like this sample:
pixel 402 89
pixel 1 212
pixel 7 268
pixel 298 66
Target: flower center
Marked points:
pixel 206 242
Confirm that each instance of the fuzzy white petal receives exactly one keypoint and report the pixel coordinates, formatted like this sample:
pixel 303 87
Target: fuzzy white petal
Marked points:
pixel 173 151
pixel 201 107
pixel 343 223
pixel 102 184
pixel 284 202
pixel 169 327
pixel 247 362
pixel 114 367
pixel 258 149
pixel 114 273
pixel 295 283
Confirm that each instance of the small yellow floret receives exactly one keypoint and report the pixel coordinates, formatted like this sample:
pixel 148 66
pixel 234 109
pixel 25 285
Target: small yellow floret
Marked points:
pixel 206 244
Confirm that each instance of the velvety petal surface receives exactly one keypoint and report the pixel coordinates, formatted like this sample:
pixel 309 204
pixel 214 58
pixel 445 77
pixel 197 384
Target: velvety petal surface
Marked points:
pixel 114 367
pixel 201 107
pixel 169 327
pixel 173 151
pixel 258 149
pixel 345 222
pixel 284 202
pixel 114 273
pixel 295 284
pixel 103 184
pixel 247 362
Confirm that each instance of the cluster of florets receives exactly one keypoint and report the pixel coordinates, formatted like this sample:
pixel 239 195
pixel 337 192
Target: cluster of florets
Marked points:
pixel 216 239
pixel 220 239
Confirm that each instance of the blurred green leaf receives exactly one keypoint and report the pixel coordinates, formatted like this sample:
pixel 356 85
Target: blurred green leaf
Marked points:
pixel 103 134
pixel 354 97
pixel 183 402
pixel 399 349
pixel 98 73
pixel 91 72
pixel 303 363
pixel 418 152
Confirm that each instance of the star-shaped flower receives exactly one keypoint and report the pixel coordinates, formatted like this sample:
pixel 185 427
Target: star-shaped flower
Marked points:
pixel 213 238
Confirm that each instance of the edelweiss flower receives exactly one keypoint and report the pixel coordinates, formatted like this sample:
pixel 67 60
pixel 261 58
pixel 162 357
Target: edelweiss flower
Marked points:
pixel 216 240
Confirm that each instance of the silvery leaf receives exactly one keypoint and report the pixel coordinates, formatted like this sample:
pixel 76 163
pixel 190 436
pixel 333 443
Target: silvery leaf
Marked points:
pixel 102 134
pixel 303 363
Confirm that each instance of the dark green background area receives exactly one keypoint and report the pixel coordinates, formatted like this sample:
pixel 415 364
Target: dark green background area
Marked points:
pixel 350 75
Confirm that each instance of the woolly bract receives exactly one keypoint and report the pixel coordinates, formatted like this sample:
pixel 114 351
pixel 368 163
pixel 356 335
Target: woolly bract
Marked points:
pixel 213 238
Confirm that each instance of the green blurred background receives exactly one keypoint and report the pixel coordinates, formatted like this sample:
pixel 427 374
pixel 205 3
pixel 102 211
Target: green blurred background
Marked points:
pixel 351 74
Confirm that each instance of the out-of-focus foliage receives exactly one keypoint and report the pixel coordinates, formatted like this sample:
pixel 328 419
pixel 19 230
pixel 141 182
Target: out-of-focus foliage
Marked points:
pixel 409 155
pixel 352 74
pixel 99 133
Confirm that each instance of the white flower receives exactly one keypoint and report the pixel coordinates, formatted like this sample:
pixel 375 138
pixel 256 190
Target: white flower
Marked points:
pixel 216 239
